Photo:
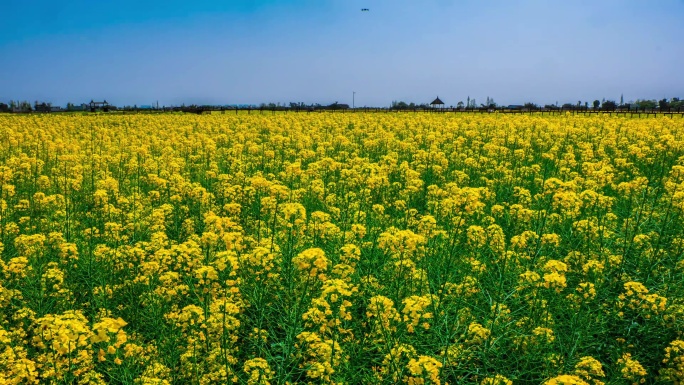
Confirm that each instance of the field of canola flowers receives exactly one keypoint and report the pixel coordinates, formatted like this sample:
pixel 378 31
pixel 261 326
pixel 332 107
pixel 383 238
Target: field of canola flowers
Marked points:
pixel 341 248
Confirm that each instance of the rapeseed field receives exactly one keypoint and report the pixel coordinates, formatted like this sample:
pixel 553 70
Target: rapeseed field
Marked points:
pixel 341 248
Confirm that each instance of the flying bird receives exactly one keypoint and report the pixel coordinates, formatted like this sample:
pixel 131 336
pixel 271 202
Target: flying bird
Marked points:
pixel 365 9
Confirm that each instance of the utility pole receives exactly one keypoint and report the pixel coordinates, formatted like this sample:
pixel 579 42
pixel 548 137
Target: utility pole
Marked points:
pixel 353 99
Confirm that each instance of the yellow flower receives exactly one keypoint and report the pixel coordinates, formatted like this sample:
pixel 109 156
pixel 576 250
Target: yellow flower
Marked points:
pixel 555 281
pixel 312 262
pixel 496 380
pixel 258 370
pixel 566 379
pixel 320 356
pixel 631 369
pixel 590 370
pixel 544 334
pixel 417 309
pixel 477 334
pixel 424 370
pixel 674 363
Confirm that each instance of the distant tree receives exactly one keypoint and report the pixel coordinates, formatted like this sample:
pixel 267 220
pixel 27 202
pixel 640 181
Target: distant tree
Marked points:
pixel 400 105
pixel 459 105
pixel 645 104
pixel 676 103
pixel 297 105
pixel 597 104
pixel 42 107
pixel 4 107
pixel 338 106
pixel 568 106
pixel 663 104
pixel 24 106
pixel 550 107
pixel 531 106
pixel 609 105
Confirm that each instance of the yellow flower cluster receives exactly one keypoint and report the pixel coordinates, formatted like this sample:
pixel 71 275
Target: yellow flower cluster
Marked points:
pixel 478 334
pixel 402 364
pixel 631 369
pixel 312 263
pixel 590 370
pixel 674 363
pixel 416 312
pixel 566 379
pixel 319 356
pixel 555 275
pixel 424 370
pixel 332 308
pixel 496 380
pixel 637 298
pixel 259 371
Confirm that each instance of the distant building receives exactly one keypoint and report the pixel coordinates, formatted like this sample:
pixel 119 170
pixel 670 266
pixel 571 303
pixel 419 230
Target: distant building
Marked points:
pixel 95 106
pixel 437 103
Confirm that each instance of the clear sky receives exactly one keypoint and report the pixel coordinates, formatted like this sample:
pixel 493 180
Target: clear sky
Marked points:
pixel 318 51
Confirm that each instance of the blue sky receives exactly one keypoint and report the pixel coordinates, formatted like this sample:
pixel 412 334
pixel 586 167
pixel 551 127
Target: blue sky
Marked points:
pixel 235 52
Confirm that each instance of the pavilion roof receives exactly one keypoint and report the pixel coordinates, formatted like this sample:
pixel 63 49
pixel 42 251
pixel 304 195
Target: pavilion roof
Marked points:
pixel 437 101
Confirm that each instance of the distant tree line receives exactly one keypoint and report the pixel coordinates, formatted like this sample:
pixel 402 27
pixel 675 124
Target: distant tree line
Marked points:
pixel 16 106
pixel 470 103
pixel 597 105
pixel 611 105
pixel 399 105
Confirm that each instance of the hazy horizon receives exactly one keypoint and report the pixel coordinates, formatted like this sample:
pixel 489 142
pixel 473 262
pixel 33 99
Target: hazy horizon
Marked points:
pixel 251 52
